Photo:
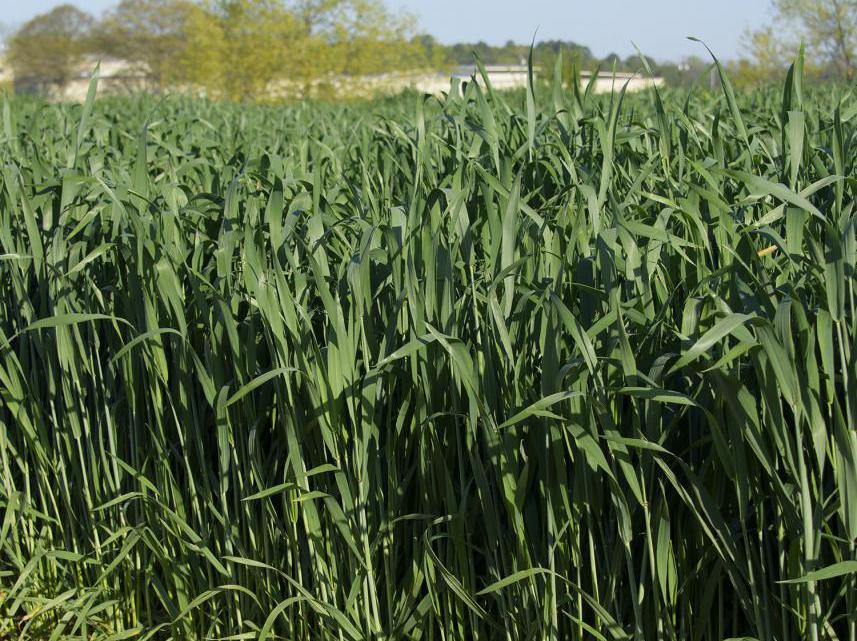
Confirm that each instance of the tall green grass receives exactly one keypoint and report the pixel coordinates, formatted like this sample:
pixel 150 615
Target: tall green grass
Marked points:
pixel 494 366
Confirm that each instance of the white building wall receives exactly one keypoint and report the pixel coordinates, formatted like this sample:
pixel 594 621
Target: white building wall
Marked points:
pixel 607 83
pixel 114 77
pixel 503 78
pixel 6 75
pixel 119 76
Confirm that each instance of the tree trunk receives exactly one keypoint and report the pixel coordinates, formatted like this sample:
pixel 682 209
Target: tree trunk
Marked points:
pixel 842 40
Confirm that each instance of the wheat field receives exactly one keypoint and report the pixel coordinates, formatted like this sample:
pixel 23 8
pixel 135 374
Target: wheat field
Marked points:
pixel 528 365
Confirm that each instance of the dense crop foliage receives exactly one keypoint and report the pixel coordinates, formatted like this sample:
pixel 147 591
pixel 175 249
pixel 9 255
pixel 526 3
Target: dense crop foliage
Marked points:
pixel 487 367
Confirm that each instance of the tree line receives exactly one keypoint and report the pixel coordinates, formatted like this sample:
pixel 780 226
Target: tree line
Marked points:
pixel 827 29
pixel 224 48
pixel 241 48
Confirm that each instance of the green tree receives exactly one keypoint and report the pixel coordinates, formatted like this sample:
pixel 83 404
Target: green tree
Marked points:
pixel 239 48
pixel 151 33
pixel 263 48
pixel 371 39
pixel 358 37
pixel 47 52
pixel 318 16
pixel 766 60
pixel 432 51
pixel 828 27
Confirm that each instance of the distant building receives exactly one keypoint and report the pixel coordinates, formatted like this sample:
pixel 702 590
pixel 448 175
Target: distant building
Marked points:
pixel 115 76
pixel 6 75
pixel 606 82
pixel 515 77
pixel 124 77
pixel 500 76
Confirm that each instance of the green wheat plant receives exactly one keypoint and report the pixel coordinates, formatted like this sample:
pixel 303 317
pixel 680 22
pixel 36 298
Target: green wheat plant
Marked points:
pixel 532 365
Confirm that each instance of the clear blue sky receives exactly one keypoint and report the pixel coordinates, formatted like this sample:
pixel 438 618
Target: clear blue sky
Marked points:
pixel 658 27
